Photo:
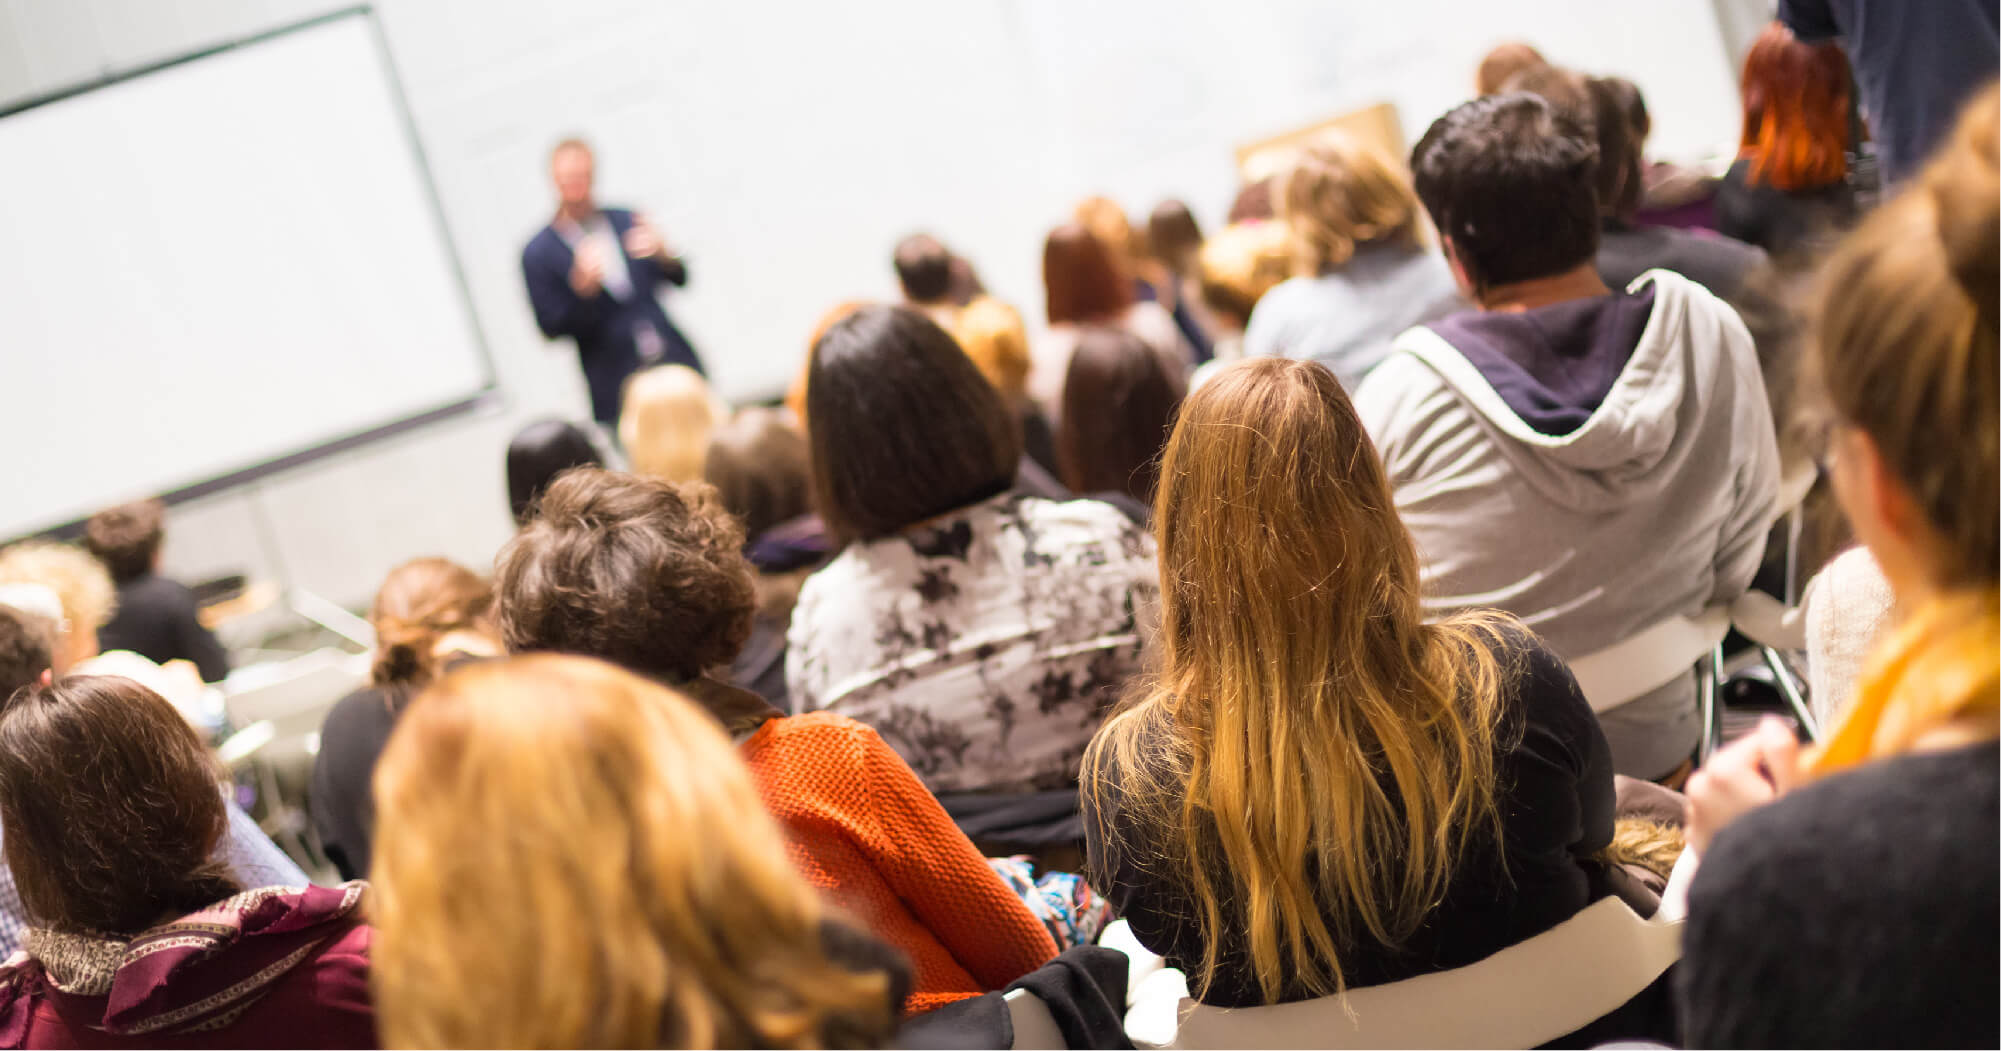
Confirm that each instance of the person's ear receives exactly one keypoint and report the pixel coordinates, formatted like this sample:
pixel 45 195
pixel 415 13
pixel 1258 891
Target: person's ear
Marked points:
pixel 48 677
pixel 1460 276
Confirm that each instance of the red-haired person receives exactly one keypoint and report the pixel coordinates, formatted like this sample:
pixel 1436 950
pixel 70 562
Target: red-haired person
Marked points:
pixel 1790 179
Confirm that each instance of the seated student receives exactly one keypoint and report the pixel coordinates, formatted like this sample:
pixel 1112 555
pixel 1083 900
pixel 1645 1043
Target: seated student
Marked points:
pixel 428 612
pixel 1084 285
pixel 1595 462
pixel 1788 190
pixel 757 462
pixel 924 270
pixel 1174 240
pixel 570 856
pixel 1858 906
pixel 1152 279
pixel 1363 273
pixel 1322 790
pixel 138 937
pixel 1118 405
pixel 1501 64
pixel 155 617
pixel 980 631
pixel 666 420
pixel 652 578
pixel 537 454
pixel 1237 267
pixel 991 333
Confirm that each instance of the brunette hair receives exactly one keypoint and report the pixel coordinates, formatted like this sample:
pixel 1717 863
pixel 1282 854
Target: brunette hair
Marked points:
pixel 757 462
pixel 111 807
pixel 641 572
pixel 1905 343
pixel 924 269
pixel 1340 193
pixel 901 425
pixel 571 856
pixel 127 538
pixel 1796 98
pixel 665 421
pixel 1502 64
pixel 420 602
pixel 1081 280
pixel 1315 757
pixel 1172 234
pixel 1119 401
pixel 537 454
pixel 992 334
pixel 1253 202
pixel 1510 181
pixel 27 649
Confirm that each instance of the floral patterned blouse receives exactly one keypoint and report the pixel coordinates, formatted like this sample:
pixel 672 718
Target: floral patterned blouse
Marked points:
pixel 985 646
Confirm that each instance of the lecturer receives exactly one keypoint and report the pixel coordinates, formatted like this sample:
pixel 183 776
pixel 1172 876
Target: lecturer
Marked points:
pixel 594 275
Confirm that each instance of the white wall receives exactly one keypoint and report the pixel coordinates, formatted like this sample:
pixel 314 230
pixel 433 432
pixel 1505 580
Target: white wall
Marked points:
pixel 785 147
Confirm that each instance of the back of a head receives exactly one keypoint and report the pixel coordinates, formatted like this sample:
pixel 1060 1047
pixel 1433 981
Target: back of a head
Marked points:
pixel 1296 655
pixel 1796 112
pixel 757 462
pixel 1604 107
pixel 665 422
pixel 127 538
pixel 795 394
pixel 110 805
pixel 27 649
pixel 924 268
pixel 79 581
pixel 1510 182
pixel 1502 63
pixel 1906 342
pixel 1081 281
pixel 1253 203
pixel 571 856
pixel 1240 264
pixel 992 334
pixel 1119 401
pixel 637 571
pixel 901 425
pixel 1172 234
pixel 419 603
pixel 1107 221
pixel 1340 193
pixel 537 454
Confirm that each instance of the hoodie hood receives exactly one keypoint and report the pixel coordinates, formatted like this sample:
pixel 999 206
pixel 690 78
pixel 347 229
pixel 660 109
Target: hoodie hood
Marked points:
pixel 1588 399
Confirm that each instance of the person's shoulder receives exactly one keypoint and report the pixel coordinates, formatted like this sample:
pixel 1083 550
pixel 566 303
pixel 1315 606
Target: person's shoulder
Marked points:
pixel 544 246
pixel 813 730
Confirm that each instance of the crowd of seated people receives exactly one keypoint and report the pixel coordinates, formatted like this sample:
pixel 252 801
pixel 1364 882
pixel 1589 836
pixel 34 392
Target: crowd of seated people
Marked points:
pixel 1287 611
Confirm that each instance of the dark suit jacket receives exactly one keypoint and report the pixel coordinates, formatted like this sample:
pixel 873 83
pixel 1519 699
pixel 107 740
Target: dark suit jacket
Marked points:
pixel 156 619
pixel 602 326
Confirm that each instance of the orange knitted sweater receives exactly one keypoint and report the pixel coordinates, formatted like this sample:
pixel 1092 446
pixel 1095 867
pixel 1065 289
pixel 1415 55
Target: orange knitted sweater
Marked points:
pixel 865 830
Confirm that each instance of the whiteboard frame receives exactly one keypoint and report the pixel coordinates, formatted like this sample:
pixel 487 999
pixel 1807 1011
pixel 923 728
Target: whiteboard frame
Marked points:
pixel 487 397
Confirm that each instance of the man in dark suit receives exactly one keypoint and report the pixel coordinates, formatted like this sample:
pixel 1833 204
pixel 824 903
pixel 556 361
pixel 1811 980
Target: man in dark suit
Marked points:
pixel 595 275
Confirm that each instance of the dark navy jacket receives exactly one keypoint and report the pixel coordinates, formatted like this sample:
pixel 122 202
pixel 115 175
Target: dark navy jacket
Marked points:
pixel 602 326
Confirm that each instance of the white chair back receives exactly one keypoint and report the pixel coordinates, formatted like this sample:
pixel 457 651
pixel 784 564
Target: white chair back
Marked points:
pixel 1631 669
pixel 293 696
pixel 1034 1026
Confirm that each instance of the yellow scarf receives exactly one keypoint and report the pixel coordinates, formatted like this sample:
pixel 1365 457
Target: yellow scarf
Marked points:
pixel 1941 667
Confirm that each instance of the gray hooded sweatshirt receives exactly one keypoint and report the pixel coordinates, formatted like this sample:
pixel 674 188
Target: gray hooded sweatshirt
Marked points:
pixel 1593 467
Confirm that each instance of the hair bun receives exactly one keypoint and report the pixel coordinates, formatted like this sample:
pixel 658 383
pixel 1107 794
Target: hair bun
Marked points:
pixel 1964 182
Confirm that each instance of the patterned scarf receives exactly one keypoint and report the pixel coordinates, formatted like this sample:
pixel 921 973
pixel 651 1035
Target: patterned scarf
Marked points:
pixel 1941 668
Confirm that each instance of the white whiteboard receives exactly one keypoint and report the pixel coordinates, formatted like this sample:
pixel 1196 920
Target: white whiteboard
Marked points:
pixel 224 262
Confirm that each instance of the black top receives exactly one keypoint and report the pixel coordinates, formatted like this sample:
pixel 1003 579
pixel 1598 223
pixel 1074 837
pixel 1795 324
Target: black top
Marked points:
pixel 157 619
pixel 342 808
pixel 1556 801
pixel 1717 263
pixel 1857 912
pixel 1783 223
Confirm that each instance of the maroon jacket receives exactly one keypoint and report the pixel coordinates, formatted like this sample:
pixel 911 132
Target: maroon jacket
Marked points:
pixel 276 967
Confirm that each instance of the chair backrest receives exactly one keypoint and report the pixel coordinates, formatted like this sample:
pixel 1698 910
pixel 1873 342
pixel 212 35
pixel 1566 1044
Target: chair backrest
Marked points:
pixel 1523 996
pixel 1034 1026
pixel 1650 659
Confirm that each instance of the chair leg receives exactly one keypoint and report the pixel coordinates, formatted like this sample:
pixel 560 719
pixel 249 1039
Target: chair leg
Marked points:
pixel 1707 689
pixel 1789 688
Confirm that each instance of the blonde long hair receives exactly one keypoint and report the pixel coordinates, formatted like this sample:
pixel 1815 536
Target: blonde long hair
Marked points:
pixel 666 420
pixel 1340 193
pixel 571 856
pixel 1314 756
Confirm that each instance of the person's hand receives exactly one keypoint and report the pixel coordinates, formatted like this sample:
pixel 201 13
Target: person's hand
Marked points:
pixel 1754 770
pixel 643 241
pixel 587 272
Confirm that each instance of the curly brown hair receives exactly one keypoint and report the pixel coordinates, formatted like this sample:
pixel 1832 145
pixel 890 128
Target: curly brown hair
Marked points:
pixel 644 573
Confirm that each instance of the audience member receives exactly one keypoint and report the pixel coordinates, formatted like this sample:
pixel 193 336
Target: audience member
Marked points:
pixel 1118 406
pixel 1253 202
pixel 1084 286
pixel 1362 272
pixel 669 412
pixel 1238 266
pixel 982 632
pixel 1323 790
pixel 594 276
pixel 572 857
pixel 537 454
pixel 138 935
pixel 1151 278
pixel 155 617
pixel 757 462
pixel 651 577
pixel 1824 871
pixel 991 333
pixel 1502 64
pixel 1789 183
pixel 924 269
pixel 429 612
pixel 1596 462
pixel 1915 64
pixel 1175 240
